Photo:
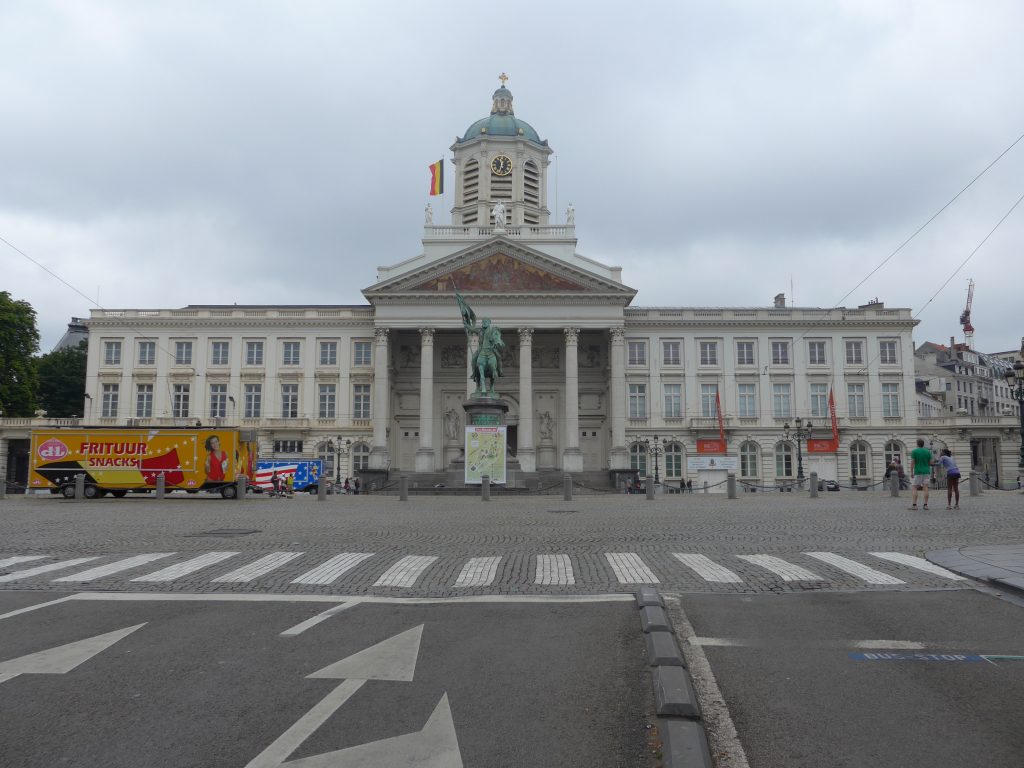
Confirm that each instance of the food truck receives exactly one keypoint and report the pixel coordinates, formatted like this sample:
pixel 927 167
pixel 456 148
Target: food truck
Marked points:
pixel 118 460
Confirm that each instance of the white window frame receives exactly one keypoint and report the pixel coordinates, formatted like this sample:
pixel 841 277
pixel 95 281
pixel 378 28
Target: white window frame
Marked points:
pixel 289 401
pixel 181 401
pixel 750 466
pixel 362 405
pixel 291 352
pixel 884 347
pixel 709 353
pixel 220 352
pixel 328 353
pixel 143 401
pixel 780 353
pixel 819 345
pixel 183 353
pixel 328 394
pixel 254 352
pixel 746 395
pixel 671 352
pixel 362 352
pixel 856 402
pixel 218 401
pixel 111 397
pixel 111 352
pixel 890 400
pixel 147 352
pixel 636 352
pixel 708 391
pixel 253 395
pixel 819 400
pixel 784 454
pixel 782 400
pixel 854 351
pixel 673 398
pixel 638 401
pixel 749 345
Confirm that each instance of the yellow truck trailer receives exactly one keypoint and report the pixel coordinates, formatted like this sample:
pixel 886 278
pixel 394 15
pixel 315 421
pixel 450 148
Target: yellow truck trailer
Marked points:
pixel 119 460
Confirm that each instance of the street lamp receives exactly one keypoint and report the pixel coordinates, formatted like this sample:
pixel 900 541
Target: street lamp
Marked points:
pixel 340 449
pixel 655 448
pixel 1015 381
pixel 801 433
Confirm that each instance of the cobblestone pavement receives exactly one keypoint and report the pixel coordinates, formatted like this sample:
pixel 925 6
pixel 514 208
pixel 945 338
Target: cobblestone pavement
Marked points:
pixel 443 545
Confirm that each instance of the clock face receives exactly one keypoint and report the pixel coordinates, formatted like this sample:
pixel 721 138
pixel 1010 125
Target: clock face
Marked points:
pixel 501 165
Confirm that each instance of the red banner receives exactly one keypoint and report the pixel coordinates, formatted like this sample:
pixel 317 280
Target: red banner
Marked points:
pixel 832 413
pixel 721 422
pixel 711 446
pixel 832 445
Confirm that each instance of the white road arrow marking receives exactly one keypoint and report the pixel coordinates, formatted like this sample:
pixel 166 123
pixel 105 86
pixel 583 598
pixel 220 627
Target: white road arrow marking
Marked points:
pixel 435 746
pixel 63 658
pixel 391 659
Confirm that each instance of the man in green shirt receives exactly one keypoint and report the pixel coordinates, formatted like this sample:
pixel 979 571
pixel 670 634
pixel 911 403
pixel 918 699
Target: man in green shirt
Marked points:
pixel 921 458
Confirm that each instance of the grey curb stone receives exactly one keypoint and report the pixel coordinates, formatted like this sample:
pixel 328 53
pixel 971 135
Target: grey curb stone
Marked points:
pixel 1012 582
pixel 654 619
pixel 663 650
pixel 684 744
pixel 648 596
pixel 673 693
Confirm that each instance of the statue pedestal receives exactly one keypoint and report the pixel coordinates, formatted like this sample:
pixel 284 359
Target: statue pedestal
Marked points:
pixel 485 412
pixel 546 455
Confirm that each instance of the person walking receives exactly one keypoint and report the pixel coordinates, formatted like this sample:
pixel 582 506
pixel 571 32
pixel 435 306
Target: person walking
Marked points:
pixel 357 485
pixel 275 482
pixel 952 478
pixel 921 459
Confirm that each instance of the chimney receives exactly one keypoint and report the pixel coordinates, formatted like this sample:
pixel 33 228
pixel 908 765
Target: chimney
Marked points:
pixel 780 301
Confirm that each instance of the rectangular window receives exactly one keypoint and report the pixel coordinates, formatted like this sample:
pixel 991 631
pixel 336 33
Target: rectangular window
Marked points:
pixel 855 398
pixel 110 396
pixel 219 353
pixel 887 353
pixel 287 446
pixel 253 401
pixel 183 353
pixel 670 353
pixel 747 400
pixel 328 353
pixel 816 353
pixel 144 401
pixel 180 400
pixel 361 401
pixel 637 352
pixel 744 353
pixel 854 352
pixel 819 400
pixel 291 353
pixel 709 353
pixel 782 401
pixel 890 400
pixel 362 353
pixel 218 401
pixel 290 401
pixel 254 353
pixel 708 393
pixel 328 396
pixel 638 401
pixel 147 353
pixel 780 353
pixel 112 353
pixel 784 460
pixel 673 401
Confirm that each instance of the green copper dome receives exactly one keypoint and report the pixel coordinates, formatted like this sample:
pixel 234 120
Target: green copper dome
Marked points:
pixel 502 121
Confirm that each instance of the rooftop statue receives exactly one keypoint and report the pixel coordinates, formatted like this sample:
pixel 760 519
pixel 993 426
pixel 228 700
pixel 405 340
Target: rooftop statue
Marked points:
pixel 486 358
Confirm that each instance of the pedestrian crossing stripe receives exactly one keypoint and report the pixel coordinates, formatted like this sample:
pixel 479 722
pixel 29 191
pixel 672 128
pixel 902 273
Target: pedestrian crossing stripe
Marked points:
pixel 550 569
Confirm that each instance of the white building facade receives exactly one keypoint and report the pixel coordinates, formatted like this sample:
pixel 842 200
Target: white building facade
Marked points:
pixel 587 376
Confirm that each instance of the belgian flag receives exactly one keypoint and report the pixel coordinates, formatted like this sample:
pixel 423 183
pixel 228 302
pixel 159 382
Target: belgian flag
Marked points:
pixel 437 178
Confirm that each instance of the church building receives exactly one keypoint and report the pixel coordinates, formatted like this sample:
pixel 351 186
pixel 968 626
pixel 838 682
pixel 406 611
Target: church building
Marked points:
pixel 595 385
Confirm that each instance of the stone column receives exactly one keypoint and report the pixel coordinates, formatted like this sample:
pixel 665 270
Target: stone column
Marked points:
pixel 526 452
pixel 619 458
pixel 572 456
pixel 425 453
pixel 379 456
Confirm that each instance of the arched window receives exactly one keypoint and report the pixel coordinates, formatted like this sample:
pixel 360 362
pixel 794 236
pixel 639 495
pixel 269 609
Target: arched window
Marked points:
pixel 673 461
pixel 860 455
pixel 784 459
pixel 749 463
pixel 325 452
pixel 360 456
pixel 638 458
pixel 895 451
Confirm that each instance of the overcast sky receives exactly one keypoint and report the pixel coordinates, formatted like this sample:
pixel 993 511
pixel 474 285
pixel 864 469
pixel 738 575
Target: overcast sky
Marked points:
pixel 162 154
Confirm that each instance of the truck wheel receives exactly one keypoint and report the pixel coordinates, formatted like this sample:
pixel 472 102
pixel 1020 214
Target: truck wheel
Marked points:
pixel 92 492
pixel 229 492
pixel 119 494
pixel 68 491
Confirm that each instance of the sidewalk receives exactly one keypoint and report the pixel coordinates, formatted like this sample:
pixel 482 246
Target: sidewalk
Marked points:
pixel 1002 564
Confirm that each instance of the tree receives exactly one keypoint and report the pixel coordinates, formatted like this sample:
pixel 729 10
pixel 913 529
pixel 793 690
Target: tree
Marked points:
pixel 19 341
pixel 62 380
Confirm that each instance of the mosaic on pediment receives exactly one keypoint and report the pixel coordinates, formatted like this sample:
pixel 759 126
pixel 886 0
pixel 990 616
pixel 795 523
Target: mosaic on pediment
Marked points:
pixel 499 272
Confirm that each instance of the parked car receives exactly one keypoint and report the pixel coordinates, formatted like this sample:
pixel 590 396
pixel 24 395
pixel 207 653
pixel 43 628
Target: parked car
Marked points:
pixel 828 485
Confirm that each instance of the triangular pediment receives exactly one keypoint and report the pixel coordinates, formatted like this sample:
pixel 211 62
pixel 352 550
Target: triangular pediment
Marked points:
pixel 500 266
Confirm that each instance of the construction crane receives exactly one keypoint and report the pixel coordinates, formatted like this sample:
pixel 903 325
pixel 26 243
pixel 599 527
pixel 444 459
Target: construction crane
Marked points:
pixel 965 316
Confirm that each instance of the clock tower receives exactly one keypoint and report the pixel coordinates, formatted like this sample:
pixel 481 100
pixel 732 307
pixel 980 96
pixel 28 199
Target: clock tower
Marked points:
pixel 501 159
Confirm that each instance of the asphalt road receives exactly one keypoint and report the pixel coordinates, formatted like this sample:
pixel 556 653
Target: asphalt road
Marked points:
pixel 802 693
pixel 215 683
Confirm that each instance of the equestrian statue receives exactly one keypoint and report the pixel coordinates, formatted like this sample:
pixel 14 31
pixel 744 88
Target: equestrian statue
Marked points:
pixel 486 359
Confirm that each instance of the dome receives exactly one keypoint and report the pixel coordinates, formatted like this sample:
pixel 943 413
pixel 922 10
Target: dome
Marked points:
pixel 502 120
pixel 501 125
